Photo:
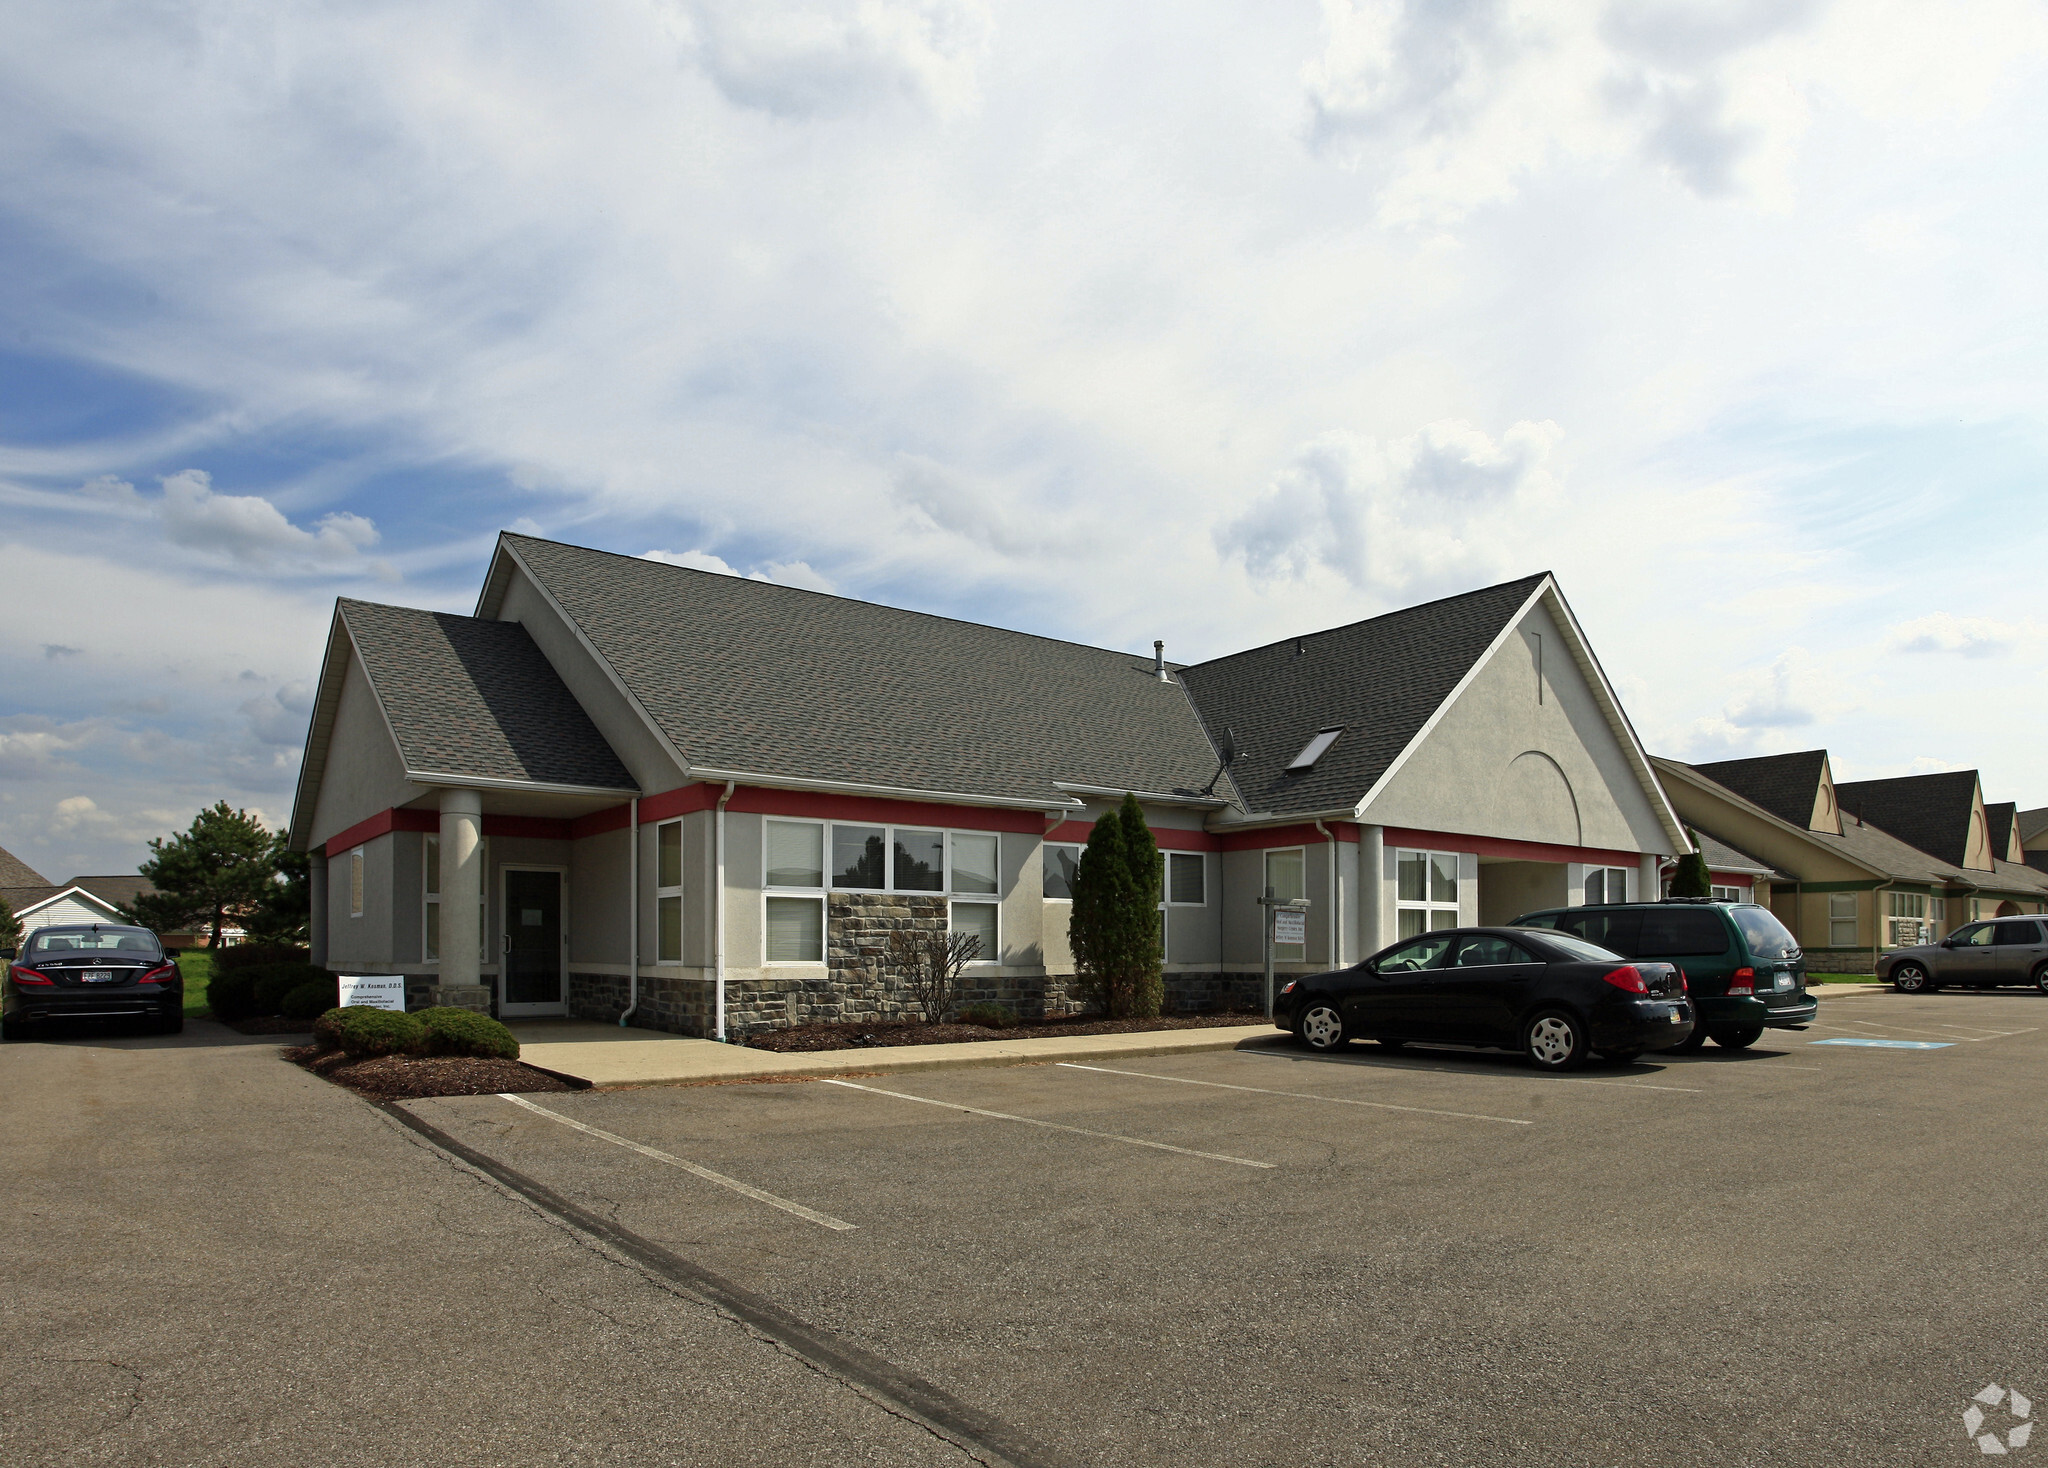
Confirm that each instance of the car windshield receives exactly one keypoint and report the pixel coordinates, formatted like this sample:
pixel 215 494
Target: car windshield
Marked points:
pixel 1572 947
pixel 1765 935
pixel 93 942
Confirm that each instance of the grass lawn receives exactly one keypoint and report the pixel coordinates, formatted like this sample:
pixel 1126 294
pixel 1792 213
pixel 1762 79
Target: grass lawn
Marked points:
pixel 1812 979
pixel 196 964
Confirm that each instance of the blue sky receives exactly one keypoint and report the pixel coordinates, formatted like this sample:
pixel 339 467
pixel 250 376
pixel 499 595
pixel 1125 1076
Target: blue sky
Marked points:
pixel 1210 325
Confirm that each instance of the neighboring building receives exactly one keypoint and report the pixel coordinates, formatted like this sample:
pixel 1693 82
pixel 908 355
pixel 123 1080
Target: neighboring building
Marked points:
pixel 790 774
pixel 2032 828
pixel 41 904
pixel 1849 882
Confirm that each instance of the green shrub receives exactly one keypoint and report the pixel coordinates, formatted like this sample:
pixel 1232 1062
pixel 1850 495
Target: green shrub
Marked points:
pixel 310 1000
pixel 275 980
pixel 231 996
pixel 993 1015
pixel 362 1031
pixel 256 955
pixel 465 1032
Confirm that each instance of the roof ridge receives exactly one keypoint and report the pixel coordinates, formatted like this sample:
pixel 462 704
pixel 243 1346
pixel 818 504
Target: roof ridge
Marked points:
pixel 1421 606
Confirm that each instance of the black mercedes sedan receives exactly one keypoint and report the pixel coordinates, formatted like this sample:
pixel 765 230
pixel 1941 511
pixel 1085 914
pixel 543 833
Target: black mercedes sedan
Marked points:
pixel 91 971
pixel 1555 997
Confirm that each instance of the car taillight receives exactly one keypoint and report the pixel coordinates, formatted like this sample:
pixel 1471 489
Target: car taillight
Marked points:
pixel 1684 987
pixel 1627 977
pixel 30 976
pixel 1743 981
pixel 163 974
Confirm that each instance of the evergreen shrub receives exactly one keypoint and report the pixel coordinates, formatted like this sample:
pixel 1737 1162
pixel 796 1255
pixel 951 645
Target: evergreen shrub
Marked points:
pixel 452 1031
pixel 361 1031
pixel 993 1015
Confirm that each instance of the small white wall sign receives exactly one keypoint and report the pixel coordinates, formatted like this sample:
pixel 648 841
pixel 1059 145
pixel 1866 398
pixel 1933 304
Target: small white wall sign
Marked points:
pixel 373 991
pixel 1290 925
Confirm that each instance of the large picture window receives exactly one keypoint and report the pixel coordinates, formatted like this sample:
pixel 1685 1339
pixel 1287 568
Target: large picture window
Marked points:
pixel 1605 885
pixel 668 892
pixel 1841 919
pixel 1061 863
pixel 1906 922
pixel 1425 892
pixel 963 866
pixel 1187 879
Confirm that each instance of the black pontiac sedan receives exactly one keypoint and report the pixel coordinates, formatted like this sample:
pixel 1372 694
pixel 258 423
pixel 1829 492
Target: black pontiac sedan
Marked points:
pixel 1553 996
pixel 92 971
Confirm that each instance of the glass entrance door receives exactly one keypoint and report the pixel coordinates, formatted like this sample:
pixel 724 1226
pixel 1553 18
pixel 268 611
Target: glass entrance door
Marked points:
pixel 533 968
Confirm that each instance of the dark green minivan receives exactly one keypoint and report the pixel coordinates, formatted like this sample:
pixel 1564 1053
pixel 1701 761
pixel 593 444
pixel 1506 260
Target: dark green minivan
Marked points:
pixel 1742 967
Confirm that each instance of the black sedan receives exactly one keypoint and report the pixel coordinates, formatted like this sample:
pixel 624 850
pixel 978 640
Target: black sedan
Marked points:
pixel 1556 997
pixel 92 971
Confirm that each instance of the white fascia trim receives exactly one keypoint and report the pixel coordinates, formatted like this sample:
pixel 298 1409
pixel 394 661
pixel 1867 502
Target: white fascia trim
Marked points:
pixel 320 730
pixel 1205 802
pixel 1674 770
pixel 494 782
pixel 632 701
pixel 1617 716
pixel 94 898
pixel 890 792
pixel 1290 818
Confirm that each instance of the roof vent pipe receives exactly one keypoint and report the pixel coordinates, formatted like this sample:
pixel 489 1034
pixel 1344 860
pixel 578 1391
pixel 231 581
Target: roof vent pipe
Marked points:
pixel 1159 663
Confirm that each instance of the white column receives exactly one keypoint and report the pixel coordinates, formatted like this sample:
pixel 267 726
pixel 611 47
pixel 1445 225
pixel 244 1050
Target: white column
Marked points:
pixel 316 920
pixel 1650 887
pixel 462 886
pixel 1372 890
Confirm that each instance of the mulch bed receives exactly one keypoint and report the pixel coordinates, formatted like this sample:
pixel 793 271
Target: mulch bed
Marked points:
pixel 407 1077
pixel 873 1033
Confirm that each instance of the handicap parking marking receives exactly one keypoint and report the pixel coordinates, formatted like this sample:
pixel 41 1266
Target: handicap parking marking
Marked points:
pixel 1298 1095
pixel 823 1220
pixel 1055 1126
pixel 1855 1026
pixel 1362 1062
pixel 1873 1043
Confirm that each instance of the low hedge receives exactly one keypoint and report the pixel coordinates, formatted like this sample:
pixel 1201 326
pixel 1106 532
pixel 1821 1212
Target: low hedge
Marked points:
pixel 362 1031
pixel 256 955
pixel 465 1032
pixel 275 980
pixel 311 999
pixel 993 1015
pixel 231 996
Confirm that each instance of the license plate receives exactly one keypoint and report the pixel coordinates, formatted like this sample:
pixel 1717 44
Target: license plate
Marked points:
pixel 97 976
pixel 1784 981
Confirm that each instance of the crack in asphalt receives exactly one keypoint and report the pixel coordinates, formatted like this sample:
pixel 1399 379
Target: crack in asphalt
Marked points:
pixel 134 1392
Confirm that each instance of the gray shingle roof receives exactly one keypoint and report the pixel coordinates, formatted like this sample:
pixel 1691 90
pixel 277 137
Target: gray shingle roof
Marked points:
pixel 1930 811
pixel 1381 679
pixel 14 872
pixel 773 680
pixel 1722 857
pixel 2033 823
pixel 2000 818
pixel 477 698
pixel 1786 785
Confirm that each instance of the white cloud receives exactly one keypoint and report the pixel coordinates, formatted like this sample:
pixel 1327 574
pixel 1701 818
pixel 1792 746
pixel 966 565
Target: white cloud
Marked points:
pixel 783 573
pixel 1970 637
pixel 250 528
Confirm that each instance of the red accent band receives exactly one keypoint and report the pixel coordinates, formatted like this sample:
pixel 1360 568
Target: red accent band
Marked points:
pixel 382 823
pixel 1288 836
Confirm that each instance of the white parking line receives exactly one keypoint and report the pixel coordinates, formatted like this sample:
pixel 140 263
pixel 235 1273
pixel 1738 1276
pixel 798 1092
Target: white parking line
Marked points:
pixel 1050 1125
pixel 822 1219
pixel 1452 1070
pixel 1299 1095
pixel 1978 1039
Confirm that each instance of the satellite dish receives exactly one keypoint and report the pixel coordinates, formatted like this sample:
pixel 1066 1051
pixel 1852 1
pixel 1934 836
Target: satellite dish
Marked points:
pixel 1229 749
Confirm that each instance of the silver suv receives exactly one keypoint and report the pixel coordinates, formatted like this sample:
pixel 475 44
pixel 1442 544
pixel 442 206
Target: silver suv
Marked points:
pixel 2007 950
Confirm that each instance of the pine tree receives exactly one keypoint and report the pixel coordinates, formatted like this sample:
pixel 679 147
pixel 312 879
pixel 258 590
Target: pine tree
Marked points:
pixel 1114 927
pixel 1692 879
pixel 10 926
pixel 215 871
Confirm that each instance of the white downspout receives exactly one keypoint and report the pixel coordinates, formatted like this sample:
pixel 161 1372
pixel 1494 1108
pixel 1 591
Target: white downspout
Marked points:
pixel 632 914
pixel 1336 918
pixel 718 912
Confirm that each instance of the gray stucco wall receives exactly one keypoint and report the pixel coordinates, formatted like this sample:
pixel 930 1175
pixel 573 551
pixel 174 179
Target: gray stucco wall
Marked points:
pixel 1507 889
pixel 362 944
pixel 1502 763
pixel 600 899
pixel 363 774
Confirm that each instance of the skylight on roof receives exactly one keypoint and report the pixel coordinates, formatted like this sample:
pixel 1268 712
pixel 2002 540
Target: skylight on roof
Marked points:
pixel 1314 750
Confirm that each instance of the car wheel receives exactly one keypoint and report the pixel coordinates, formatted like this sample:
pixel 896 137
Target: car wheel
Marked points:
pixel 12 1030
pixel 1691 1044
pixel 1740 1039
pixel 1909 978
pixel 1320 1026
pixel 1392 1044
pixel 2041 978
pixel 175 1025
pixel 1555 1041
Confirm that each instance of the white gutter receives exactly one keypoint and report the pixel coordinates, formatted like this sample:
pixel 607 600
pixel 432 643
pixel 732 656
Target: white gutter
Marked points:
pixel 1199 802
pixel 1336 925
pixel 893 792
pixel 494 782
pixel 632 915
pixel 718 912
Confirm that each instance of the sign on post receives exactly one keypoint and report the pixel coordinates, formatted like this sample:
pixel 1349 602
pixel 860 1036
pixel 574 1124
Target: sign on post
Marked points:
pixel 373 991
pixel 1290 925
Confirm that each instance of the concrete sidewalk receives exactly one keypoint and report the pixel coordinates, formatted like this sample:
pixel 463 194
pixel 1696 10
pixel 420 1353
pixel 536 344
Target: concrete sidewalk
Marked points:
pixel 607 1055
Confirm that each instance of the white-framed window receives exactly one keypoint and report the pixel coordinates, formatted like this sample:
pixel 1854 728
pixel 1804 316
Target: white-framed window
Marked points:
pixel 1062 861
pixel 1938 911
pixel 1726 894
pixel 430 906
pixel 668 892
pixel 1606 885
pixel 1906 921
pixel 1841 919
pixel 1286 881
pixel 355 883
pixel 804 860
pixel 1425 892
pixel 1187 879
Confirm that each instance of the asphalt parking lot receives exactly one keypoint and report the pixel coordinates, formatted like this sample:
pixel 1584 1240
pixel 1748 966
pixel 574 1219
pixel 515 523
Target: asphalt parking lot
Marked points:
pixel 1804 1252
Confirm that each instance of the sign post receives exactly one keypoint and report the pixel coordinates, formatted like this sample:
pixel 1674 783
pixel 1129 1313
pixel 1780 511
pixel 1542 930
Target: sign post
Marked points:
pixel 1286 922
pixel 373 991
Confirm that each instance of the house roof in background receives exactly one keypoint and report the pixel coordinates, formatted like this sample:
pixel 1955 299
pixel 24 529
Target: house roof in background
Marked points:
pixel 474 698
pixel 1786 785
pixel 1864 845
pixel 1721 857
pixel 1999 820
pixel 120 889
pixel 2016 876
pixel 1930 811
pixel 2032 823
pixel 69 889
pixel 14 872
pixel 1380 679
pixel 750 677
pixel 20 898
